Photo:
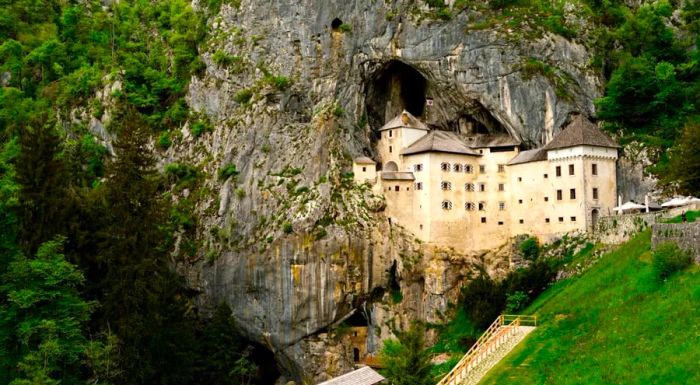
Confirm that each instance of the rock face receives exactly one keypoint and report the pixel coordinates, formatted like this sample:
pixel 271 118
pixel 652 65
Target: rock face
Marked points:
pixel 289 242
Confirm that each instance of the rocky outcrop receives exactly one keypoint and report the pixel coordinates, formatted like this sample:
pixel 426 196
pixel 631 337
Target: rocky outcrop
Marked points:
pixel 289 242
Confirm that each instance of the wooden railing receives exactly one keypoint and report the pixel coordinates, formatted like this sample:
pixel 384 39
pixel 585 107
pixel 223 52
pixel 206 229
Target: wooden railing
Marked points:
pixel 504 327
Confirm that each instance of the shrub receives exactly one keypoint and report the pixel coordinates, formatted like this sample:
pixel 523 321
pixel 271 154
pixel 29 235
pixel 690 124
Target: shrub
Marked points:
pixel 345 27
pixel 483 299
pixel 240 193
pixel 279 82
pixel 287 227
pixel 199 127
pixel 243 96
pixel 668 259
pixel 530 249
pixel 516 301
pixel 338 111
pixel 181 171
pixel 228 171
pixel 164 141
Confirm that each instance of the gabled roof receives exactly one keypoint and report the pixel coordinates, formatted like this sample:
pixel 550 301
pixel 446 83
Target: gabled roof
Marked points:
pixel 364 160
pixel 529 156
pixel 404 120
pixel 580 132
pixel 491 140
pixel 439 141
pixel 362 376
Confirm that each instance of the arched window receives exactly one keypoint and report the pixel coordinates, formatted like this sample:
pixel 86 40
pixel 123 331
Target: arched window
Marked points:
pixel 469 187
pixel 457 167
pixel 482 206
pixel 469 206
pixel 444 166
pixel 468 168
pixel 446 205
pixel 446 186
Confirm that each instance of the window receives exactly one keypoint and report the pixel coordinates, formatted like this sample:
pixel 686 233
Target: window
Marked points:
pixel 408 189
pixel 546 220
pixel 445 166
pixel 469 206
pixel 469 187
pixel 418 167
pixel 571 169
pixel 500 223
pixel 482 187
pixel 483 219
pixel 595 193
pixel 446 186
pixel 594 169
pixel 389 149
pixel 446 205
pixel 558 170
pixel 364 169
pixel 419 185
pixel 482 168
pixel 573 219
pixel 521 221
pixel 520 201
pixel 501 206
pixel 390 133
pixel 482 206
pixel 457 167
pixel 561 219
pixel 468 168
pixel 572 193
pixel 501 187
pixel 546 199
pixel 560 196
pixel 396 188
pixel 501 168
pixel 520 179
pixel 546 176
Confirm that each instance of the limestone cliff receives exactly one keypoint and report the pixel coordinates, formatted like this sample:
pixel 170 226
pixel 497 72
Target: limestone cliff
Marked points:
pixel 289 241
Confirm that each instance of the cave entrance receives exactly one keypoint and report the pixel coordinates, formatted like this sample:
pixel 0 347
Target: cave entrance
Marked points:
pixel 268 372
pixel 394 87
pixel 358 334
pixel 336 23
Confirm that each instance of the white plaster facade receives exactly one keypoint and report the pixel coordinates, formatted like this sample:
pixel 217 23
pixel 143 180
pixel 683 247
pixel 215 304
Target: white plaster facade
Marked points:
pixel 476 196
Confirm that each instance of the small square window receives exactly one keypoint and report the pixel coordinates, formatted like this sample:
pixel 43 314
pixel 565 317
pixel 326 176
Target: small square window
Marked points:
pixel 546 176
pixel 560 195
pixel 561 219
pixel 572 193
pixel 482 168
pixel 573 219
pixel 501 168
pixel 595 193
pixel 501 187
pixel 482 187
pixel 521 221
pixel 571 169
pixel 520 179
pixel 520 201
pixel 418 167
pixel 546 220
pixel 482 206
pixel 558 171
pixel 419 185
pixel 468 169
pixel 500 223
pixel 483 219
pixel 594 169
pixel 546 199
pixel 396 188
pixel 364 169
pixel 501 206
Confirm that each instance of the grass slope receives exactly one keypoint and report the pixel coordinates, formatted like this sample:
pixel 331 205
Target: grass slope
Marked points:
pixel 616 324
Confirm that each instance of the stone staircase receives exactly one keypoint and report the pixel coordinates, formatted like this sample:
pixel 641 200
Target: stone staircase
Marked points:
pixel 498 340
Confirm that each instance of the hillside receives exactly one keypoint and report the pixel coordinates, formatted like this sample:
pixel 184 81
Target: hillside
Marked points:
pixel 616 324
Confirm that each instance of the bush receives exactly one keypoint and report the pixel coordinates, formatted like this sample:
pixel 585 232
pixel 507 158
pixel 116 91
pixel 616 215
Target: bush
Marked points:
pixel 243 96
pixel 199 127
pixel 345 27
pixel 483 299
pixel 668 259
pixel 228 171
pixel 287 227
pixel 530 249
pixel 164 141
pixel 516 301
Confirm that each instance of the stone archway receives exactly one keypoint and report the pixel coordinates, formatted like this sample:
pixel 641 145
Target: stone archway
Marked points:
pixel 391 166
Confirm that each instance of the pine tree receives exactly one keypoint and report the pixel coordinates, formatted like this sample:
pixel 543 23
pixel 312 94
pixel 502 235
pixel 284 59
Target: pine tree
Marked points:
pixel 406 360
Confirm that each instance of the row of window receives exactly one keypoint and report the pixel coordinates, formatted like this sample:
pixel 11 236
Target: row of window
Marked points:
pixel 458 167
pixel 470 206
pixel 594 170
pixel 447 186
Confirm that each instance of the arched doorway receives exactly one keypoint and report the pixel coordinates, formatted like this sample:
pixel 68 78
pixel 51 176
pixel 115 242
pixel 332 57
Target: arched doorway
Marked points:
pixel 594 218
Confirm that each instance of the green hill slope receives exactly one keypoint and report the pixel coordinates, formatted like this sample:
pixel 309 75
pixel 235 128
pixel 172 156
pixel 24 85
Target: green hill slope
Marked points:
pixel 616 324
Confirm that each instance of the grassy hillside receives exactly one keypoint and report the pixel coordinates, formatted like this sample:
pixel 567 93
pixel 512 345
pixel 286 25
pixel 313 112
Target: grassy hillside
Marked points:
pixel 616 324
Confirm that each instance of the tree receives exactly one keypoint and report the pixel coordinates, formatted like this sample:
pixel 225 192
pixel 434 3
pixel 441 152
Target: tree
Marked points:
pixel 42 319
pixel 685 160
pixel 406 360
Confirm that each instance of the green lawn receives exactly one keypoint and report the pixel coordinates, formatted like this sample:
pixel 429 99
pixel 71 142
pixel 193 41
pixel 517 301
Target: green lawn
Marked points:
pixel 691 216
pixel 616 324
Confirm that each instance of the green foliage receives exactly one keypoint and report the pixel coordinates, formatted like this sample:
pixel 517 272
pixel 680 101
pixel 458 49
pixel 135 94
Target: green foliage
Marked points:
pixel 279 82
pixel 684 169
pixel 515 302
pixel 406 360
pixel 287 227
pixel 243 96
pixel 668 259
pixel 42 319
pixel 338 111
pixel 619 304
pixel 228 171
pixel 201 126
pixel 345 27
pixel 181 173
pixel 164 142
pixel 530 248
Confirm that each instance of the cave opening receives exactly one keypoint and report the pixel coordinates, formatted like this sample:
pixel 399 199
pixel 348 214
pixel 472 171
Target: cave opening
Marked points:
pixel 336 23
pixel 268 373
pixel 394 87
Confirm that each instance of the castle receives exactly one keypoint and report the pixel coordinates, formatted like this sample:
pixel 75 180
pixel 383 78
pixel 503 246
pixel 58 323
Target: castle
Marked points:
pixel 474 192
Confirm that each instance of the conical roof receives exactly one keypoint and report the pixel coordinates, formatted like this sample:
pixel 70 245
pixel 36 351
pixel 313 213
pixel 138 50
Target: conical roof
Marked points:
pixel 439 141
pixel 404 120
pixel 580 132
